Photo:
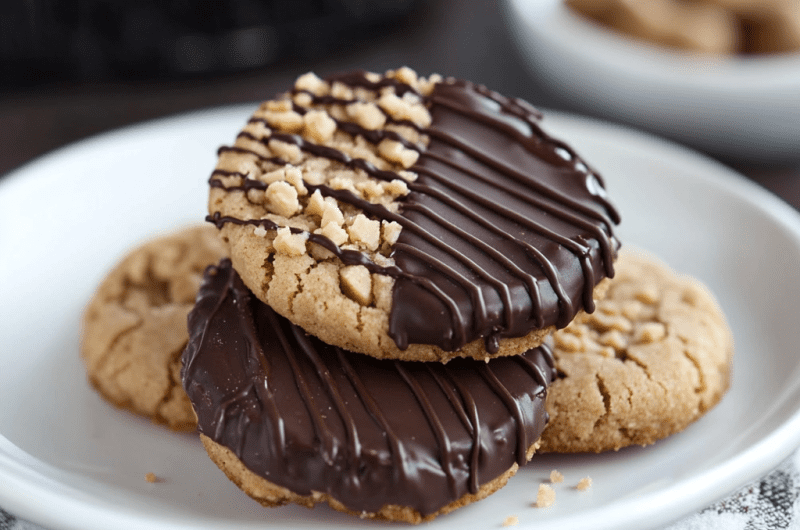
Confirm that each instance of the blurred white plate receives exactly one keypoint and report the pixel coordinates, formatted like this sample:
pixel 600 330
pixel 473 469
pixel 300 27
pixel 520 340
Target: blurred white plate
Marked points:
pixel 746 108
pixel 69 460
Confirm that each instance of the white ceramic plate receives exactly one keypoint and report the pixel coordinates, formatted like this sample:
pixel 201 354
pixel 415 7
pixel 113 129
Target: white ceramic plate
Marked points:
pixel 69 460
pixel 740 107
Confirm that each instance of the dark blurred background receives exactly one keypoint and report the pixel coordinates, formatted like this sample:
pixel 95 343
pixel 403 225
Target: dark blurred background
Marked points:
pixel 74 68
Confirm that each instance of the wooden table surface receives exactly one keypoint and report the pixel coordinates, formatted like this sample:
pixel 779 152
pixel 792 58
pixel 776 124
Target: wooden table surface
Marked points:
pixel 466 39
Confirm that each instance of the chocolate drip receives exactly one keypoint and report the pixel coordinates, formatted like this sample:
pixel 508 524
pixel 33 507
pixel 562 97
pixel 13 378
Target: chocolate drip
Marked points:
pixel 310 417
pixel 505 231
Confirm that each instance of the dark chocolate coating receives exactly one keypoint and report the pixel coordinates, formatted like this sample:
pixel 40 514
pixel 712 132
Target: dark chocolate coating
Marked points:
pixel 505 231
pixel 308 416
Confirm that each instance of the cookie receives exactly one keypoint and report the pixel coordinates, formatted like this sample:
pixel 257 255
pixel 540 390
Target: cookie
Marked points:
pixel 411 218
pixel 134 328
pixel 653 358
pixel 706 26
pixel 290 419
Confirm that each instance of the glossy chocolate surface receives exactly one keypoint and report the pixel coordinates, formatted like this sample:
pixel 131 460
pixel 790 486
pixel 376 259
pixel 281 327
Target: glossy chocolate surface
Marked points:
pixel 505 231
pixel 310 417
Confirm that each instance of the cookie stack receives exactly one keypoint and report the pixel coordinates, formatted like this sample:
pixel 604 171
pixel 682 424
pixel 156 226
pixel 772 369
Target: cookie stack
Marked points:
pixel 381 337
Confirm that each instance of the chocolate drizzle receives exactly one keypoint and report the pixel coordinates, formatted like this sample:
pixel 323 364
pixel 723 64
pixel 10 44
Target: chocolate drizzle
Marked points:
pixel 311 417
pixel 505 231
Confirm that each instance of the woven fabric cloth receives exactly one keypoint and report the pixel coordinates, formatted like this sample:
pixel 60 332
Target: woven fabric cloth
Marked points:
pixel 770 503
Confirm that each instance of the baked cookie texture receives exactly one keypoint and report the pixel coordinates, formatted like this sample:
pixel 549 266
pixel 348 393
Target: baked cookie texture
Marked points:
pixel 290 419
pixel 412 218
pixel 654 357
pixel 705 26
pixel 134 328
pixel 271 495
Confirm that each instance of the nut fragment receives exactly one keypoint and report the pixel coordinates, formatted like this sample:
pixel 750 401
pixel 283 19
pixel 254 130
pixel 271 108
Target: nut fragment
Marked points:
pixel 365 231
pixel 356 283
pixel 282 198
pixel 318 126
pixel 290 244
pixel 367 115
pixel 311 83
pixel 334 232
pixel 393 151
pixel 391 231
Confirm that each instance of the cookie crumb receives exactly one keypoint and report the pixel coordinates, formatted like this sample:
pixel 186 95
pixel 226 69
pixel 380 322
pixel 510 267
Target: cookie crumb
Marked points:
pixel 545 497
pixel 584 484
pixel 556 476
pixel 151 478
pixel 511 520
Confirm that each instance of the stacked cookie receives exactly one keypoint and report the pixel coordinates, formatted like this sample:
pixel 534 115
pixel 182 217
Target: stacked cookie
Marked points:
pixel 381 337
pixel 396 223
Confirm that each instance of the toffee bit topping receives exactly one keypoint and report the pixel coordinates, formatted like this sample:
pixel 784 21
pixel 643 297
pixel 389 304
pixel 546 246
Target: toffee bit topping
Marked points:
pixel 485 218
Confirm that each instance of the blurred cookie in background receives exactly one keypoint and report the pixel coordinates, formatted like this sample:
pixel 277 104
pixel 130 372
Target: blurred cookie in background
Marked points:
pixel 706 26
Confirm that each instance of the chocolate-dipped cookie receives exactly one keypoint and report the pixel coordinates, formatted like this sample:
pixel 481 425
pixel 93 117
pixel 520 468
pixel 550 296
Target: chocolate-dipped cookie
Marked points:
pixel 411 218
pixel 653 358
pixel 134 328
pixel 291 419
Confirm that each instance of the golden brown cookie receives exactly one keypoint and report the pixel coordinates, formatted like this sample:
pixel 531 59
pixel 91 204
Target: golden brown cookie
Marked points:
pixel 411 218
pixel 271 495
pixel 706 26
pixel 291 419
pixel 653 358
pixel 134 328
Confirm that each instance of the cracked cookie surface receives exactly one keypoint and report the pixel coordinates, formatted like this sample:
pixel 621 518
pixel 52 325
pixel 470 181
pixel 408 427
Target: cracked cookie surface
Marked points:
pixel 134 328
pixel 412 218
pixel 654 357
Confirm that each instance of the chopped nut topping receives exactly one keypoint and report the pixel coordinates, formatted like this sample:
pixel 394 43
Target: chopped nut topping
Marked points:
pixel 367 115
pixel 394 151
pixel 294 177
pixel 334 232
pixel 391 231
pixel 406 75
pixel 356 283
pixel 311 83
pixel 289 152
pixel 290 244
pixel 318 126
pixel 288 121
pixel 365 231
pixel 282 198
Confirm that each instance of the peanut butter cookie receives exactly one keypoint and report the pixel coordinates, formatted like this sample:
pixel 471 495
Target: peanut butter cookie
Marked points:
pixel 291 419
pixel 134 328
pixel 412 218
pixel 653 358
